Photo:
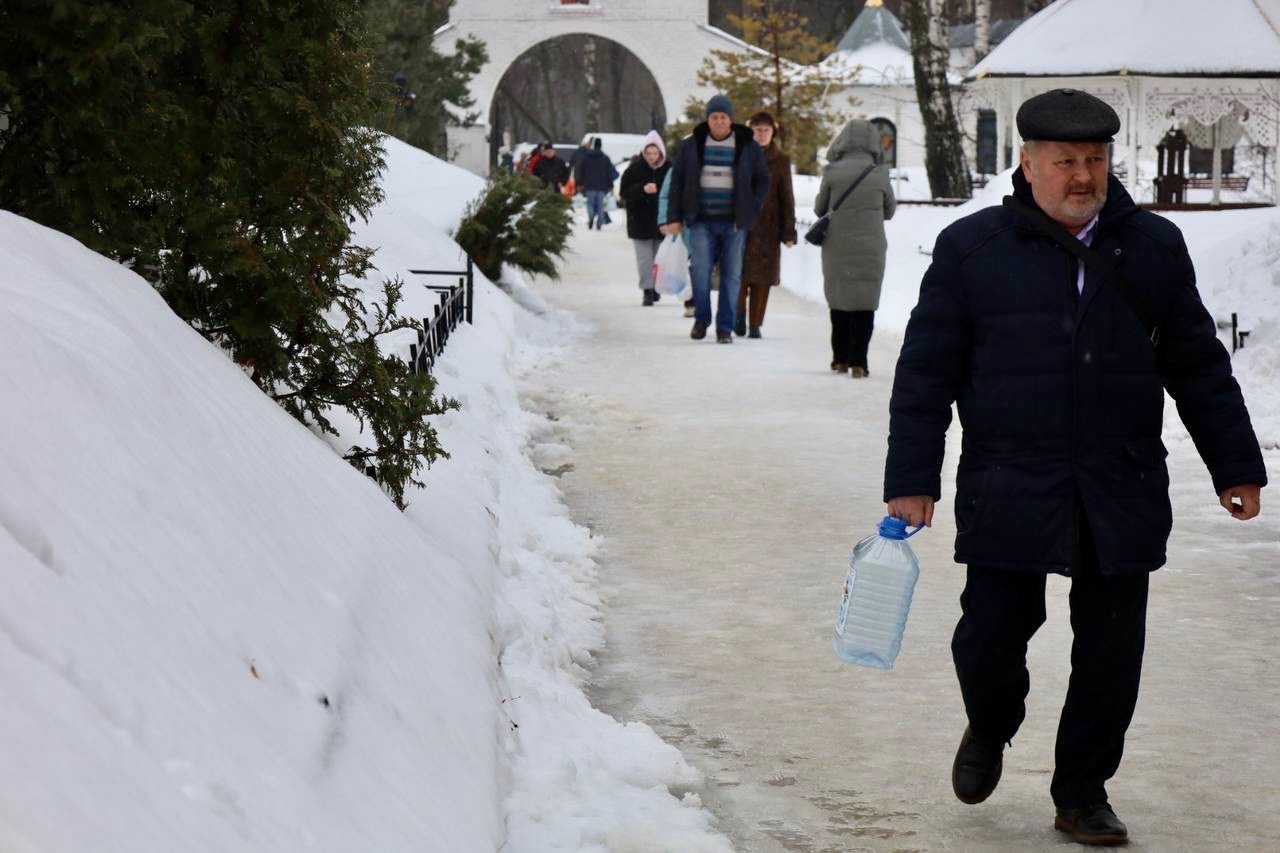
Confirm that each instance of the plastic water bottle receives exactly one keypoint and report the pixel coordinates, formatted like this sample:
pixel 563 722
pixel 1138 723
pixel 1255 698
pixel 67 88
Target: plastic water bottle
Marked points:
pixel 877 596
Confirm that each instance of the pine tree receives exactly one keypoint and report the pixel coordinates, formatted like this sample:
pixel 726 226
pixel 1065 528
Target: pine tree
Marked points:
pixel 944 152
pixel 223 151
pixel 778 76
pixel 423 90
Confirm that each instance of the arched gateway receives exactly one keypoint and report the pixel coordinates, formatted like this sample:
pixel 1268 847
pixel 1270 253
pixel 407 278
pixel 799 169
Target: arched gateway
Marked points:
pixel 669 37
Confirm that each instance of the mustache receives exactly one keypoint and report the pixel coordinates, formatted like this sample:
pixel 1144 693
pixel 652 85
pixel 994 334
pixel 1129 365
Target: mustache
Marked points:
pixel 1089 188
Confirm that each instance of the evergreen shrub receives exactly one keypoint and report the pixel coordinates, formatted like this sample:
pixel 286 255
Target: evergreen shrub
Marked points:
pixel 519 221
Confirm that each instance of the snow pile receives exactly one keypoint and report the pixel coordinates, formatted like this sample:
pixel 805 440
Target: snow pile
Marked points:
pixel 219 636
pixel 1237 273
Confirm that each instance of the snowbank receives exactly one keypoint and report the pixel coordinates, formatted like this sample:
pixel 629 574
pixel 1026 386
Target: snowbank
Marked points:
pixel 217 635
pixel 222 637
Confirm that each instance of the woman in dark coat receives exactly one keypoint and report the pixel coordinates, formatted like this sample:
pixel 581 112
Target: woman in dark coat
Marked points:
pixel 853 253
pixel 641 183
pixel 776 226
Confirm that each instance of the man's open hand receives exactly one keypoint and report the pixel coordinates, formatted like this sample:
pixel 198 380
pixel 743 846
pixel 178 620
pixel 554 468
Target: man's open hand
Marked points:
pixel 1250 501
pixel 916 510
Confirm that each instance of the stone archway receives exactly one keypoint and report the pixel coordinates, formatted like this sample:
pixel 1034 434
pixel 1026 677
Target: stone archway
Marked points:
pixel 569 85
pixel 670 38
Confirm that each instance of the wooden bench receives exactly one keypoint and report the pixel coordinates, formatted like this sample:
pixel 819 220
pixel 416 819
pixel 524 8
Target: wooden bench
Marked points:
pixel 1235 183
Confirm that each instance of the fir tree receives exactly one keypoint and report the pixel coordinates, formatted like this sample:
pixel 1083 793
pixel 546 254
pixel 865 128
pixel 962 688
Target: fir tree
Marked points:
pixel 424 90
pixel 777 75
pixel 223 151
pixel 518 221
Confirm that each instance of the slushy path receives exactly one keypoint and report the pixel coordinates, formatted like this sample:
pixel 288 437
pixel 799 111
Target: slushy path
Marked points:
pixel 729 483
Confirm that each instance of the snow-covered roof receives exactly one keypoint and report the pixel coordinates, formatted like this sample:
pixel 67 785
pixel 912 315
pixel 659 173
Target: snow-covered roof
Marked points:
pixel 1071 38
pixel 876 42
pixel 874 25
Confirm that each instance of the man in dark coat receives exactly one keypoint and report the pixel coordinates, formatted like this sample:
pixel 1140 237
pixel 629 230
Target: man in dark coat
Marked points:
pixel 594 175
pixel 719 180
pixel 1059 370
pixel 550 169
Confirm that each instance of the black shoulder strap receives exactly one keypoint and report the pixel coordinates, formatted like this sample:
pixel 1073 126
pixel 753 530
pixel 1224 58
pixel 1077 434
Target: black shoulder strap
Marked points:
pixel 853 186
pixel 1138 303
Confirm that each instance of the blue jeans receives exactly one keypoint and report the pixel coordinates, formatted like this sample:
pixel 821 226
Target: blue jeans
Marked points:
pixel 595 207
pixel 716 243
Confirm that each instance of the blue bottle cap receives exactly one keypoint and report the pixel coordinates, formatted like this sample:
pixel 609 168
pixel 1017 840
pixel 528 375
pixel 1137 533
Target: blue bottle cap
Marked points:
pixel 893 528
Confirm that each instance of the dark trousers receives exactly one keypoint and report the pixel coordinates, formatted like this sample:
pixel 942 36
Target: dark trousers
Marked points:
pixel 850 336
pixel 1001 612
pixel 752 301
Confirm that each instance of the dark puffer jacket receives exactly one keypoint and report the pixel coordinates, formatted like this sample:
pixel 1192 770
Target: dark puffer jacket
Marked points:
pixel 1061 397
pixel 595 171
pixel 750 177
pixel 642 207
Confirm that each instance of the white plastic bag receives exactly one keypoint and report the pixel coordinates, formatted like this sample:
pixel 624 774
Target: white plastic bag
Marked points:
pixel 671 267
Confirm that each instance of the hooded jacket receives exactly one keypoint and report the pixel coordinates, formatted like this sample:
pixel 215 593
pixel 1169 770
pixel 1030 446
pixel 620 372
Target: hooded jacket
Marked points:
pixel 853 253
pixel 595 172
pixel 642 207
pixel 750 177
pixel 1060 393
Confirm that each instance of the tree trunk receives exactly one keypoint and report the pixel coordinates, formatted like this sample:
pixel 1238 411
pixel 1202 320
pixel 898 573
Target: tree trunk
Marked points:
pixel 981 29
pixel 944 151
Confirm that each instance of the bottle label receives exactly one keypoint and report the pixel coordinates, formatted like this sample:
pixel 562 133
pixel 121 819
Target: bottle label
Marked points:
pixel 844 601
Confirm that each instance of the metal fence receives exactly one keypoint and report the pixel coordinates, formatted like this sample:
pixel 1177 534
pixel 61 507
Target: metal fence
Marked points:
pixel 457 302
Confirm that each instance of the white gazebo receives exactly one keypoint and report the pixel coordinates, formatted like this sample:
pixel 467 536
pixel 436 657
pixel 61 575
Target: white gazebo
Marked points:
pixel 1211 70
pixel 884 88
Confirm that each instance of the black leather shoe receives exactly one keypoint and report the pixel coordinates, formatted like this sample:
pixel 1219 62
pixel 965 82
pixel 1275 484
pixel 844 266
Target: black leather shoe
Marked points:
pixel 976 770
pixel 1096 824
pixel 740 327
pixel 754 333
pixel 699 331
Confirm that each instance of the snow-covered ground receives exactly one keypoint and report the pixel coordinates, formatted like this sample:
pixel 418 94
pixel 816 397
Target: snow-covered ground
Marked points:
pixel 216 635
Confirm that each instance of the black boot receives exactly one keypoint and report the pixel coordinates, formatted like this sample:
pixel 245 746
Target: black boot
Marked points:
pixel 1096 824
pixel 648 298
pixel 754 332
pixel 976 770
pixel 740 327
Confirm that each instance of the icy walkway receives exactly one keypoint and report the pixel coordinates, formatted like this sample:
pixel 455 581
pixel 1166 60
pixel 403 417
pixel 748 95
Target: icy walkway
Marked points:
pixel 729 483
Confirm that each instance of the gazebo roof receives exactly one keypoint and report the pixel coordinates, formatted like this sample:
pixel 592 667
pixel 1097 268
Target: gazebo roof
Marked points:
pixel 876 42
pixel 874 25
pixel 1189 38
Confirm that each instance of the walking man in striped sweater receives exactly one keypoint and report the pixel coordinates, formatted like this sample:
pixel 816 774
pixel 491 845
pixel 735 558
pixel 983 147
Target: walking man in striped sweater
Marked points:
pixel 719 180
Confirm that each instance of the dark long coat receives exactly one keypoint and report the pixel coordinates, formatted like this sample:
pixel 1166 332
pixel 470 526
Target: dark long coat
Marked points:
pixel 642 207
pixel 1061 396
pixel 750 177
pixel 775 226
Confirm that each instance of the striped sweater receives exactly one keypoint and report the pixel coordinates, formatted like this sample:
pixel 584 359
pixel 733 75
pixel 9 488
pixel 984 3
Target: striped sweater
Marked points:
pixel 715 199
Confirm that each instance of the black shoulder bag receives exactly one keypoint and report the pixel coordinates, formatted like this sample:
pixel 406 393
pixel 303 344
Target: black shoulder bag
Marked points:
pixel 818 231
pixel 1038 219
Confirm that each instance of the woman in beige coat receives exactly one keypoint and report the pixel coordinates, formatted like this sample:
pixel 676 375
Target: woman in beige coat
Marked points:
pixel 854 250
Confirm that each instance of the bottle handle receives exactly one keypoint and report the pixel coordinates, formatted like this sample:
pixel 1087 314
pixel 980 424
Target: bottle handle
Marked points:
pixel 919 527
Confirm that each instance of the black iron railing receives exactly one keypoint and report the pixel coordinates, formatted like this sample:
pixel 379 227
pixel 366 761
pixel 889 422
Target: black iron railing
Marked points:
pixel 457 304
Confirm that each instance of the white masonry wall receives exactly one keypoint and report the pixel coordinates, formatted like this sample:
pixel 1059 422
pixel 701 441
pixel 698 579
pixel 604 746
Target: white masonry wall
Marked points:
pixel 670 37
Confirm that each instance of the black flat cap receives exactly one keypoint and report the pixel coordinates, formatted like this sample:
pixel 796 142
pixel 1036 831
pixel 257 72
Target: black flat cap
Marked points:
pixel 1067 115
